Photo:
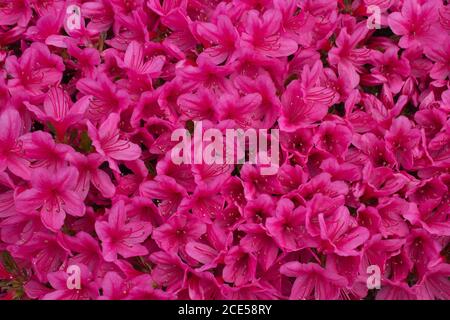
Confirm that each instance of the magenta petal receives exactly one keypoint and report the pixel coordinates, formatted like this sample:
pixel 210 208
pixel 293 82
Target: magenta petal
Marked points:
pixel 52 216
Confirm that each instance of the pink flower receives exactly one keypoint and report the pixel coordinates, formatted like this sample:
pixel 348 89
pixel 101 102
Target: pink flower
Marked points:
pixel 305 102
pixel 87 250
pixel 109 143
pixel 47 25
pixel 89 172
pixel 221 39
pixel 19 228
pixel 322 184
pixel 167 99
pixel 211 174
pixel 137 287
pixel 439 147
pixel 375 149
pixel 444 15
pixel 297 25
pixel 369 218
pixel 178 231
pixel 89 58
pixel 395 290
pixel 205 202
pixel 44 253
pixel 260 243
pixel 254 183
pixel 262 34
pixel 90 100
pixel 347 266
pixel 423 250
pixel 59 110
pixel 259 209
pixel 288 228
pixel 35 71
pixel 431 120
pixel 390 69
pixel 147 107
pixel 298 142
pixel 199 106
pixel 136 65
pixel 432 216
pixel 416 24
pixel 441 57
pixel 400 266
pixel 119 236
pixel 181 25
pixel 166 191
pixel 106 97
pixel 166 7
pixel 43 152
pixel 402 139
pixel 434 284
pixel 382 181
pixel 348 58
pixel 114 287
pixel 204 254
pixel 203 286
pixel 251 291
pixel 340 234
pixel 333 138
pixel 123 7
pixel 58 280
pixel 53 195
pixel 391 211
pixel 239 109
pixel 313 281
pixel 7 208
pixel 14 12
pixel 100 13
pixel 269 108
pixel 169 271
pixel 11 146
pixel 240 266
pixel 341 170
pixel 377 251
pixel 141 289
pixel 207 75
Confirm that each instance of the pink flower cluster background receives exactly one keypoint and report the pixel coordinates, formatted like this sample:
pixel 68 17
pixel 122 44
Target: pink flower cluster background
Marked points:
pixel 86 177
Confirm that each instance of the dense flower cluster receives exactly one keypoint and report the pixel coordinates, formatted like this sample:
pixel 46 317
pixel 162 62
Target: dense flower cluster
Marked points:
pixel 87 179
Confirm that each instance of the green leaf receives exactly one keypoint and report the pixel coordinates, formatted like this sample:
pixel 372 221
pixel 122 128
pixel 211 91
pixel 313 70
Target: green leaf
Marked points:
pixel 8 262
pixel 85 142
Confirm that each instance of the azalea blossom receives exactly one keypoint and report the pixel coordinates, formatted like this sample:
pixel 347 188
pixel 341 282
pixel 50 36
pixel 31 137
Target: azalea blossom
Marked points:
pixel 121 237
pixel 416 23
pixel 109 144
pixel 60 111
pixel 53 195
pixel 313 281
pixel 100 200
pixel 12 153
